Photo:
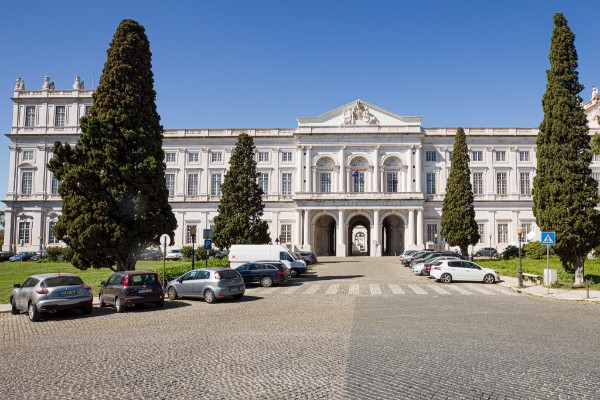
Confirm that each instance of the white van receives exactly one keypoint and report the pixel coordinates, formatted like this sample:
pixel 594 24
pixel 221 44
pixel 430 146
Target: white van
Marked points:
pixel 244 253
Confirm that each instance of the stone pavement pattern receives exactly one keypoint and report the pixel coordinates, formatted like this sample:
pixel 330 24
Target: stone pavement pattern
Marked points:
pixel 365 341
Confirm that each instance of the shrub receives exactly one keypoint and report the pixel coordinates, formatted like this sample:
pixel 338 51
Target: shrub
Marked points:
pixel 510 252
pixel 60 254
pixel 186 252
pixel 535 250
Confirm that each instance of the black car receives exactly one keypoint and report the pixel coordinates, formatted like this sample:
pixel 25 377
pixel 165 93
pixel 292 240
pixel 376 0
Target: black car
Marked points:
pixel 486 252
pixel 433 254
pixel 264 273
pixel 150 254
pixel 128 288
pixel 5 255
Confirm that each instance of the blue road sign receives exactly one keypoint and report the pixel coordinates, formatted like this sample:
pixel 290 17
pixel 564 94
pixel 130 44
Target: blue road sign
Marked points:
pixel 207 244
pixel 548 238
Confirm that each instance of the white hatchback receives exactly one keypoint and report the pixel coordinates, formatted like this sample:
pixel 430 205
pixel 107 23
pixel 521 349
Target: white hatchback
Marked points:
pixel 460 270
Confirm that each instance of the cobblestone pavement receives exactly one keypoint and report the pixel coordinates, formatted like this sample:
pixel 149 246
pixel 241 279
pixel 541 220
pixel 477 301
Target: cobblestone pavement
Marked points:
pixel 355 328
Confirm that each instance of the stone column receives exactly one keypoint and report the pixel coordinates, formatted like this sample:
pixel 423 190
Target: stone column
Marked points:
pixel 342 170
pixel 375 239
pixel 420 228
pixel 298 238
pixel 410 236
pixel 314 180
pixel 308 170
pixel 409 175
pixel 418 170
pixel 376 169
pixel 299 174
pixel 340 233
pixel 306 239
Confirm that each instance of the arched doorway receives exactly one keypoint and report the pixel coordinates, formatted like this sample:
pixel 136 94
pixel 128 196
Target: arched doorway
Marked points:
pixel 324 238
pixel 392 235
pixel 359 235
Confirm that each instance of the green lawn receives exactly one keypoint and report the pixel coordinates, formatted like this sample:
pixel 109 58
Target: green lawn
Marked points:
pixel 17 272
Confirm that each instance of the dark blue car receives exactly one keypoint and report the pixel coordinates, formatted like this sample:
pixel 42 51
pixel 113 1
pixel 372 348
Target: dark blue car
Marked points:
pixel 22 256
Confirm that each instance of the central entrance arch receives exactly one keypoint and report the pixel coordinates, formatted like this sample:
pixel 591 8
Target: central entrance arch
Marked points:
pixel 359 236
pixel 392 235
pixel 325 230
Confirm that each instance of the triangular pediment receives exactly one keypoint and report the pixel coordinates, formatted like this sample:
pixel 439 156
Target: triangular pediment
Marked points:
pixel 359 113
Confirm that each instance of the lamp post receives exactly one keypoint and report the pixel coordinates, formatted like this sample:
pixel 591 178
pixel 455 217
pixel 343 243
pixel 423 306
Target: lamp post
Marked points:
pixel 435 242
pixel 520 275
pixel 193 235
pixel 277 240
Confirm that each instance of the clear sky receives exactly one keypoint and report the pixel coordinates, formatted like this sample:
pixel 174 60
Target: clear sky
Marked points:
pixel 261 64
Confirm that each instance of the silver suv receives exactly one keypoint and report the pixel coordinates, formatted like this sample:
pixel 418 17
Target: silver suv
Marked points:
pixel 209 284
pixel 47 293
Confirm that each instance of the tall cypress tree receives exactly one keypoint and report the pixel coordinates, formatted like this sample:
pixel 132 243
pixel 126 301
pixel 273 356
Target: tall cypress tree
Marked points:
pixel 241 203
pixel 115 201
pixel 459 227
pixel 565 193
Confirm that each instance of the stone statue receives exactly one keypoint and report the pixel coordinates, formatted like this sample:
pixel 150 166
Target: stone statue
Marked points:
pixel 359 113
pixel 48 84
pixel 20 85
pixel 594 92
pixel 78 84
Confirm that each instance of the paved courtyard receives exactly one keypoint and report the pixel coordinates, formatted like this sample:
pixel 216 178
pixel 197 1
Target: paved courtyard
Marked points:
pixel 355 328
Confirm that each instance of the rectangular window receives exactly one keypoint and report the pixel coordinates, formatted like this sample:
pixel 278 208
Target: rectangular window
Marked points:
pixel 392 182
pixel 60 116
pixel 193 157
pixel 169 157
pixel 525 183
pixel 29 116
pixel 596 157
pixel 523 156
pixel 431 231
pixel 26 182
pixel 431 183
pixel 51 238
pixel 54 187
pixel 502 233
pixel 286 156
pixel 192 185
pixel 86 111
pixel 215 184
pixel 170 182
pixel 501 156
pixel 359 183
pixel 27 155
pixel 477 182
pixel 596 176
pixel 263 156
pixel 430 156
pixel 501 183
pixel 325 182
pixel 481 230
pixel 188 236
pixel 286 233
pixel 526 229
pixel 216 157
pixel 24 232
pixel 477 155
pixel 263 182
pixel 286 184
pixel 449 156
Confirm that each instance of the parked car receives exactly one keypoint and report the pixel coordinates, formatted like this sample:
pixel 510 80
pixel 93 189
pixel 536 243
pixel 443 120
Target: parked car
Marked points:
pixel 22 256
pixel 434 254
pixel 209 284
pixel 150 254
pixel 174 254
pixel 461 270
pixel 308 257
pixel 408 258
pixel 407 253
pixel 486 252
pixel 128 288
pixel 420 268
pixel 38 255
pixel 48 293
pixel 6 255
pixel 266 273
pixel 240 254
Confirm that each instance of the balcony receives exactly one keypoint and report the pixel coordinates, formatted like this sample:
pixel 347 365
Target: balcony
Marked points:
pixel 338 196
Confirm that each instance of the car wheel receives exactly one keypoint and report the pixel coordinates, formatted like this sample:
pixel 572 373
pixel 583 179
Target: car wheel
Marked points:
pixel 238 296
pixel 489 278
pixel 266 281
pixel 87 310
pixel 446 278
pixel 159 304
pixel 102 303
pixel 13 307
pixel 172 293
pixel 118 305
pixel 34 313
pixel 294 272
pixel 209 296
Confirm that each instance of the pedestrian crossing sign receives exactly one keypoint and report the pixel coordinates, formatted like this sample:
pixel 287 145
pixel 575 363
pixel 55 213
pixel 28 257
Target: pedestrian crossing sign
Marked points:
pixel 548 238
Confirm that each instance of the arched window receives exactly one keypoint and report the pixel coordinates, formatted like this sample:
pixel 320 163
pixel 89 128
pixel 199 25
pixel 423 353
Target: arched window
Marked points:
pixel 392 174
pixel 359 167
pixel 325 168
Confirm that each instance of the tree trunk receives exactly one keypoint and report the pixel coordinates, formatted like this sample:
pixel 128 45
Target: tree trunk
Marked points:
pixel 578 265
pixel 464 250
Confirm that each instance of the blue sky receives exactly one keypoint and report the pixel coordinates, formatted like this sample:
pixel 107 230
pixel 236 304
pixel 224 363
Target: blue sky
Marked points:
pixel 261 64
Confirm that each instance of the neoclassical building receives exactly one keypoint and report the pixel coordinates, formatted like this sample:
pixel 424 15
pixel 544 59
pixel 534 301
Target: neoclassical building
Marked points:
pixel 355 180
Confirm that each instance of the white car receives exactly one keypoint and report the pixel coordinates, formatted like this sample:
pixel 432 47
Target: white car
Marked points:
pixel 173 254
pixel 419 268
pixel 460 270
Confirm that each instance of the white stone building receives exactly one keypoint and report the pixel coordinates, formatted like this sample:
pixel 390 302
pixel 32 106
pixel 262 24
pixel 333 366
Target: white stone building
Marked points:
pixel 356 180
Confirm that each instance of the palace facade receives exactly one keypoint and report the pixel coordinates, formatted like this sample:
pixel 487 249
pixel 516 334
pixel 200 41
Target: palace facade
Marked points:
pixel 355 180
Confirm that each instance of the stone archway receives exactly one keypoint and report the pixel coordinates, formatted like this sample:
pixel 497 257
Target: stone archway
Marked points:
pixel 324 237
pixel 359 236
pixel 392 235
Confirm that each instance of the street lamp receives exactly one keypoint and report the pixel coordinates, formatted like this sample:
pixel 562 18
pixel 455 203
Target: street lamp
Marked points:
pixel 520 275
pixel 193 235
pixel 435 242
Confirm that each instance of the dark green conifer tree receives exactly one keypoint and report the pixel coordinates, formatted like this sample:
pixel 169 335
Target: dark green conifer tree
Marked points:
pixel 115 202
pixel 459 227
pixel 565 193
pixel 241 203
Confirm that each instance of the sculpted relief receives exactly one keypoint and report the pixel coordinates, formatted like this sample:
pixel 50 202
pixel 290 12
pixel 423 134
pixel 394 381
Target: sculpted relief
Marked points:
pixel 359 114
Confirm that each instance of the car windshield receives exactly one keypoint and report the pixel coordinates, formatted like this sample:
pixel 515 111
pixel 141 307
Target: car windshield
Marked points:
pixel 228 274
pixel 62 281
pixel 144 279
